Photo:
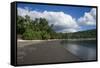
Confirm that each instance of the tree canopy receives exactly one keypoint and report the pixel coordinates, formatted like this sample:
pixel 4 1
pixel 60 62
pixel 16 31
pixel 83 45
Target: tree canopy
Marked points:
pixel 40 29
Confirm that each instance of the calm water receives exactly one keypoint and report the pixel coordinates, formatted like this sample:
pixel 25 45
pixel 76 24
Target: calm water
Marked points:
pixel 85 50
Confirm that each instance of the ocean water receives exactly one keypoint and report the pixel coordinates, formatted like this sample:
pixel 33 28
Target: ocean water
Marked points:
pixel 85 50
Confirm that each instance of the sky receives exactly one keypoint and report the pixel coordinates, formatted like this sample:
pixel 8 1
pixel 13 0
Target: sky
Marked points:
pixel 64 18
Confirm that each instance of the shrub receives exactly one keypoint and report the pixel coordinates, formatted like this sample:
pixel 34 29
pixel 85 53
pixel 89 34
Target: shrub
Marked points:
pixel 29 34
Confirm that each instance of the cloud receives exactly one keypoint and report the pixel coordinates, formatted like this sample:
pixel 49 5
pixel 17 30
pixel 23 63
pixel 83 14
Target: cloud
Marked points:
pixel 62 22
pixel 89 18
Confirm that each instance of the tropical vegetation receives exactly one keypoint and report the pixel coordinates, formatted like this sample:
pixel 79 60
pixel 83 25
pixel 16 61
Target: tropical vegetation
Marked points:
pixel 40 29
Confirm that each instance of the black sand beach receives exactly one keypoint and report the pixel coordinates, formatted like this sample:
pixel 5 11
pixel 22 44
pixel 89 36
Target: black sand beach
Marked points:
pixel 43 52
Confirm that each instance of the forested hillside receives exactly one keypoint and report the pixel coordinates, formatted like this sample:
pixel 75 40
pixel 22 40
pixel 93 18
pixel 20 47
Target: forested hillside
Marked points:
pixel 40 29
pixel 83 34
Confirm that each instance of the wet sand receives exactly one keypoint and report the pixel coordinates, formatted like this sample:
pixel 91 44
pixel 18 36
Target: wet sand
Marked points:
pixel 43 52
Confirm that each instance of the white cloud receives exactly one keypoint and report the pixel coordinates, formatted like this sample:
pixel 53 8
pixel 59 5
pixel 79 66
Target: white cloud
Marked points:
pixel 89 18
pixel 68 30
pixel 62 22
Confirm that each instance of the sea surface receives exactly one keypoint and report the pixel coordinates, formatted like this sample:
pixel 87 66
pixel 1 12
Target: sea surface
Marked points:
pixel 85 50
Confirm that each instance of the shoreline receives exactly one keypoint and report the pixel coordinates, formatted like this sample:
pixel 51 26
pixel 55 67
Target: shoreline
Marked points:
pixel 22 43
pixel 20 40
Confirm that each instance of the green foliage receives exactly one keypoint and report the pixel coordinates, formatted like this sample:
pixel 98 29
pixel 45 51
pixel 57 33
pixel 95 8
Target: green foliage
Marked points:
pixel 29 34
pixel 37 29
pixel 45 35
pixel 83 34
pixel 20 25
pixel 40 29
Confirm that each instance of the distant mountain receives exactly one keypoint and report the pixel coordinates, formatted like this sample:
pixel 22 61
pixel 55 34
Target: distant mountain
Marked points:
pixel 92 30
pixel 83 34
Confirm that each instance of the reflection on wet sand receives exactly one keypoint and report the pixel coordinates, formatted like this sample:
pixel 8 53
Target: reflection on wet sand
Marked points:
pixel 52 51
pixel 86 50
pixel 44 52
